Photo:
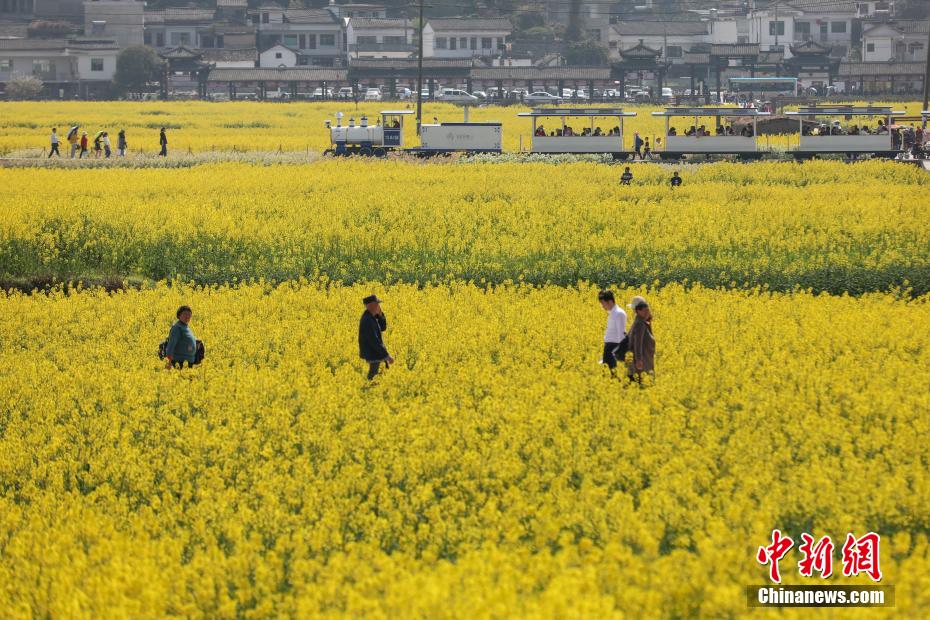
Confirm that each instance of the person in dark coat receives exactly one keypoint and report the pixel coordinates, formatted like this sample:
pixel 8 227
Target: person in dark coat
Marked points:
pixel 642 342
pixel 163 141
pixel 676 180
pixel 370 342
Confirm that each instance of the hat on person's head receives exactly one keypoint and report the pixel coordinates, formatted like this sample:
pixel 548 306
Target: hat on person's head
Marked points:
pixel 636 302
pixel 371 299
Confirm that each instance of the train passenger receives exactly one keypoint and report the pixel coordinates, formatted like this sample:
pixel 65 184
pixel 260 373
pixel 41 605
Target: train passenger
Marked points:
pixel 627 177
pixel 540 131
pixel 719 130
pixel 731 131
pixel 747 131
pixel 882 128
pixel 647 150
pixel 615 340
pixel 672 131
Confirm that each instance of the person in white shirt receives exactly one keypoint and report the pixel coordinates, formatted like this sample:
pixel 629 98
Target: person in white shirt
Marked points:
pixel 54 140
pixel 615 341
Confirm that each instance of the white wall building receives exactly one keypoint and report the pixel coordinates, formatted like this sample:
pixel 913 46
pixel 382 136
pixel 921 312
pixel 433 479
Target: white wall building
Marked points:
pixel 120 20
pixel 63 65
pixel 316 33
pixel 465 38
pixel 673 38
pixel 783 22
pixel 902 41
pixel 278 55
pixel 379 38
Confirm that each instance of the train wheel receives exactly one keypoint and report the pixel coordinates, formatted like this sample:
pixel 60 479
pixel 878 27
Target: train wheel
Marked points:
pixel 365 152
pixel 379 152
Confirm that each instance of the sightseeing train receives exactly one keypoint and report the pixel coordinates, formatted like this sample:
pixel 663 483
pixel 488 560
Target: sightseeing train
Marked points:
pixel 714 131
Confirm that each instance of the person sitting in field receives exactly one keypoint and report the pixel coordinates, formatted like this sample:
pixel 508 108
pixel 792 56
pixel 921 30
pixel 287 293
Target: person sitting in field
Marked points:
pixel 181 345
pixel 627 177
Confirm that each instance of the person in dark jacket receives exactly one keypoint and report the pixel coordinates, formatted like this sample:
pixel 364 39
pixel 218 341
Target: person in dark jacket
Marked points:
pixel 626 177
pixel 370 342
pixel 676 180
pixel 641 341
pixel 163 141
pixel 182 345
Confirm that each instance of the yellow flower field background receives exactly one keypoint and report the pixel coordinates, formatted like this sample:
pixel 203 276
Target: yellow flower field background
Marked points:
pixel 255 126
pixel 820 225
pixel 495 470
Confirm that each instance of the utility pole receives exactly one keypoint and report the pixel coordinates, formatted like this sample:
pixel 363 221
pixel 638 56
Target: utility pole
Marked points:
pixel 927 71
pixel 420 72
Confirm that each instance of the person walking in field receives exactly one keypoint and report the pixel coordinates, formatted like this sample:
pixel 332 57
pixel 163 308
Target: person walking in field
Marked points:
pixel 83 144
pixel 676 180
pixel 370 342
pixel 627 177
pixel 98 144
pixel 182 345
pixel 647 150
pixel 121 143
pixel 637 145
pixel 73 140
pixel 641 341
pixel 54 144
pixel 615 339
pixel 163 141
pixel 106 145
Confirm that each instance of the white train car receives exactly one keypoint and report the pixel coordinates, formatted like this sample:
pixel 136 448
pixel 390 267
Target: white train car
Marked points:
pixel 566 137
pixel 718 141
pixel 853 138
pixel 460 137
pixel 363 138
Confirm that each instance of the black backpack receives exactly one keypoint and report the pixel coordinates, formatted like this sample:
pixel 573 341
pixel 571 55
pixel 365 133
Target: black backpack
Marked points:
pixel 199 354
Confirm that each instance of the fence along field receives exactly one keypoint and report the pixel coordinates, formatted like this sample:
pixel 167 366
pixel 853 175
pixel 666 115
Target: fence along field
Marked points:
pixel 826 226
pixel 200 127
pixel 498 472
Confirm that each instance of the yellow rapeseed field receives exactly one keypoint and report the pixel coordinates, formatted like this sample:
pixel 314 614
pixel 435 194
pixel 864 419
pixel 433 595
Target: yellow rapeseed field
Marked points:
pixel 824 225
pixel 256 126
pixel 494 471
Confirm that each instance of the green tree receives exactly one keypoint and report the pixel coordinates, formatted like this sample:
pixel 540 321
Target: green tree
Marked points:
pixel 588 53
pixel 136 66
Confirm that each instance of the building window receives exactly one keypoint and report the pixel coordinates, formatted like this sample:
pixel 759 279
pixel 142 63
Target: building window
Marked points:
pixel 838 27
pixel 673 51
pixel 463 43
pixel 802 28
pixel 290 40
pixel 278 55
pixel 311 42
pixel 500 43
pixel 41 67
pixel 180 38
pixel 366 40
pixel 266 18
pixel 870 47
pixel 303 41
pixel 207 40
pixel 302 60
pixel 487 43
pixel 441 43
pixel 147 38
pixel 327 40
pixel 403 41
pixel 453 43
pixel 96 64
pixel 6 64
pixel 776 28
pixel 160 39
pixel 474 43
pixel 98 27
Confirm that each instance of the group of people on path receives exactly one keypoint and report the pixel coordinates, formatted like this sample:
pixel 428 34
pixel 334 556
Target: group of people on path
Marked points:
pixel 627 178
pixel 182 347
pixel 101 143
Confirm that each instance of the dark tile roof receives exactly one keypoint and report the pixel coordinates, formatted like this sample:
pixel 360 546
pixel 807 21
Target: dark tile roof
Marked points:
pixel 855 69
pixel 541 73
pixel 230 55
pixel 310 16
pixel 13 28
pixel 232 4
pixel 178 15
pixel 291 74
pixel 33 44
pixel 403 63
pixel 734 49
pixel 660 28
pixel 464 24
pixel 362 23
pixel 181 52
